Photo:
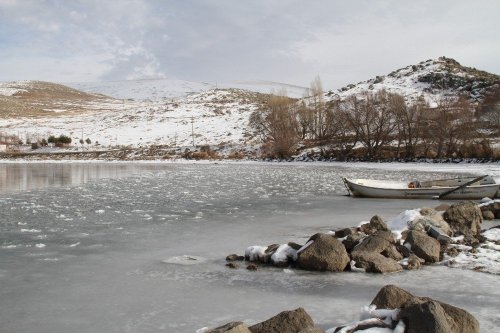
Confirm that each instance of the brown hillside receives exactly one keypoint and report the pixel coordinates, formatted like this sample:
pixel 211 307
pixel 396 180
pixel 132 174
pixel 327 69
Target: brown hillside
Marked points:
pixel 38 98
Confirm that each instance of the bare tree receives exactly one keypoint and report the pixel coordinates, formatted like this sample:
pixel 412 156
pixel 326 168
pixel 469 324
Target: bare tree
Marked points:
pixel 408 123
pixel 372 118
pixel 315 116
pixel 277 124
pixel 450 124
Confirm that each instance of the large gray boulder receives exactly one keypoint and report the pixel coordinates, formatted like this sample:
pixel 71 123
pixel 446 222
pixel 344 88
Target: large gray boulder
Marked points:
pixel 285 322
pixel 326 253
pixel 424 246
pixel 427 315
pixel 374 262
pixel 464 218
pixel 423 314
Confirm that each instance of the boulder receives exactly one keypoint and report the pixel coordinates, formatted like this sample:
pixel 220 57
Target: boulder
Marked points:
pixel 423 314
pixel 233 327
pixel 285 322
pixel 391 297
pixel 377 242
pixel 375 262
pixel 377 223
pixel 326 253
pixel 464 218
pixel 427 316
pixel 424 246
pixel 461 321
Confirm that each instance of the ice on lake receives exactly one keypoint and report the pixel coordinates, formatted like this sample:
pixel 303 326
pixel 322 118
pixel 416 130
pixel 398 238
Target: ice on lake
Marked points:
pixel 104 247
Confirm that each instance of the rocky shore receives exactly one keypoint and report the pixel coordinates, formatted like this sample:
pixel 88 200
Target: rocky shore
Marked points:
pixel 449 235
pixel 392 310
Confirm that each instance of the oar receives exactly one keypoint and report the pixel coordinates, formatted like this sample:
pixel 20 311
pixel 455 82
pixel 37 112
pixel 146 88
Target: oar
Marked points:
pixel 459 187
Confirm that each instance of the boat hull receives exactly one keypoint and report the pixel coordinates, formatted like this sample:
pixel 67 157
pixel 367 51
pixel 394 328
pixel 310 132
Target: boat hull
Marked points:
pixel 467 193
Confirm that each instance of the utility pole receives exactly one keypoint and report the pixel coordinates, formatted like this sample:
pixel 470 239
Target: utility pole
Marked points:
pixel 192 129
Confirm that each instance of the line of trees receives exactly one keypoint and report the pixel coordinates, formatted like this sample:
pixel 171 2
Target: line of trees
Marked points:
pixel 372 126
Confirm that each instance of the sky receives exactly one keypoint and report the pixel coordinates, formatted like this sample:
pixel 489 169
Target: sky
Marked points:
pixel 288 41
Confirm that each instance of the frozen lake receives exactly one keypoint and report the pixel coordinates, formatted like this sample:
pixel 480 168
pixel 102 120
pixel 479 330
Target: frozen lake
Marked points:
pixel 94 247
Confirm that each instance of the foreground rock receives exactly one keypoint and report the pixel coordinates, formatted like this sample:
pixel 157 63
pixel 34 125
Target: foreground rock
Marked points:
pixel 423 314
pixel 393 310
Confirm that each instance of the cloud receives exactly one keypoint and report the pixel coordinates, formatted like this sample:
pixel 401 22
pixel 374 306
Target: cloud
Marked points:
pixel 222 40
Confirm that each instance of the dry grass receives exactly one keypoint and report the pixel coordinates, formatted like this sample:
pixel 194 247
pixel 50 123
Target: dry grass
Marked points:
pixel 40 99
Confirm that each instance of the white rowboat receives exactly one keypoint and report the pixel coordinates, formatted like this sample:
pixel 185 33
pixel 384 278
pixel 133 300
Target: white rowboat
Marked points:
pixel 457 188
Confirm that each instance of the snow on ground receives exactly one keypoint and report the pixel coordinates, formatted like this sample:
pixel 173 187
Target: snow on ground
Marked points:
pixel 485 258
pixel 211 117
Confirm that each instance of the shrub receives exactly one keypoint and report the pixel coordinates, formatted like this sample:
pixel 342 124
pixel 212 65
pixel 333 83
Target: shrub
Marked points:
pixel 64 139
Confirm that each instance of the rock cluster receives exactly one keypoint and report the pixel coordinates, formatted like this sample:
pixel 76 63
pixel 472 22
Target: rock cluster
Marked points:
pixel 393 309
pixel 374 248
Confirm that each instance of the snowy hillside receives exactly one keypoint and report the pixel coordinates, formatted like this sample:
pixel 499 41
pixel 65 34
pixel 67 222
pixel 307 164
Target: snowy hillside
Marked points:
pixel 430 79
pixel 152 89
pixel 160 89
pixel 216 116
pixel 176 113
